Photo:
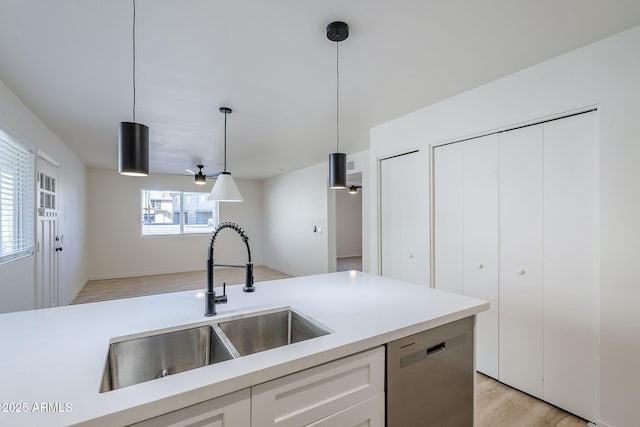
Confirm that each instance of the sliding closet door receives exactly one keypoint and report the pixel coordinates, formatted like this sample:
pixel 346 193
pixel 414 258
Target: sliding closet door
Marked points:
pixel 571 263
pixel 480 243
pixel 521 261
pixel 448 217
pixel 404 219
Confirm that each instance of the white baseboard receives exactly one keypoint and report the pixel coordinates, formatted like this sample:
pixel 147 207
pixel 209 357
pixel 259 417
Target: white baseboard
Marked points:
pixel 599 424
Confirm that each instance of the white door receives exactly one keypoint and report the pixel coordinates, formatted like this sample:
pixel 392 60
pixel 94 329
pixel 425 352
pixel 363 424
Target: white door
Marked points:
pixel 404 218
pixel 571 260
pixel 448 217
pixel 521 260
pixel 466 233
pixel 48 243
pixel 480 243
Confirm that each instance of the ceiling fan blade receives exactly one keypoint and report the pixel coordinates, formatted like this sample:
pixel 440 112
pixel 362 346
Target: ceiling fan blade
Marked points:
pixel 190 172
pixel 212 175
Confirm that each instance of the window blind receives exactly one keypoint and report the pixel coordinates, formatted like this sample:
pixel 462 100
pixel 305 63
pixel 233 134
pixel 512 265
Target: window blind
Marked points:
pixel 16 199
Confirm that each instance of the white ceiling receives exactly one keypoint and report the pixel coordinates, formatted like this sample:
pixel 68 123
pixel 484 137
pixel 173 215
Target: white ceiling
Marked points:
pixel 70 62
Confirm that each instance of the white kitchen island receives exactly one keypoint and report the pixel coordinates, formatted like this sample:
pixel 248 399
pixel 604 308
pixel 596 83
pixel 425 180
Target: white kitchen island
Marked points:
pixel 53 359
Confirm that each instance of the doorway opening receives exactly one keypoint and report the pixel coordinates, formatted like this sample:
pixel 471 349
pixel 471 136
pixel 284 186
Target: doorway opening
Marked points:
pixel 348 225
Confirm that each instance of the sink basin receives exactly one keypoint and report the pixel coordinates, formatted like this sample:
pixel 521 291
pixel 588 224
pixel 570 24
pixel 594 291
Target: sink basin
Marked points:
pixel 136 360
pixel 270 330
pixel 143 359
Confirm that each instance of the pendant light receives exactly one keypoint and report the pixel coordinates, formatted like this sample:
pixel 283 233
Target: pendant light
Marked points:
pixel 225 189
pixel 337 32
pixel 133 138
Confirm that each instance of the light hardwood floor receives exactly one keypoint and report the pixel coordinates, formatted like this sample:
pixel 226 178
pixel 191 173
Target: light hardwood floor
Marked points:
pixel 498 405
pixel 108 289
pixel 349 263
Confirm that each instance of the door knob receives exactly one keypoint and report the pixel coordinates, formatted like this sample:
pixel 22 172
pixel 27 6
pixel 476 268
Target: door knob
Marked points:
pixel 58 249
pixel 520 272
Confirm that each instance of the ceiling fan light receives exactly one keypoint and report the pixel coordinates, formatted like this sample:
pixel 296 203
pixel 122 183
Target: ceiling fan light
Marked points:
pixel 133 149
pixel 225 189
pixel 337 171
pixel 200 178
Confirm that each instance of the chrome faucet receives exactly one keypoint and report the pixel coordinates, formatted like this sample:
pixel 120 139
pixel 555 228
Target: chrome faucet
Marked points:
pixel 211 298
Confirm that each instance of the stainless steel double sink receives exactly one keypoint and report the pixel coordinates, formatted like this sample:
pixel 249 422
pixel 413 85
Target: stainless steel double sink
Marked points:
pixel 140 359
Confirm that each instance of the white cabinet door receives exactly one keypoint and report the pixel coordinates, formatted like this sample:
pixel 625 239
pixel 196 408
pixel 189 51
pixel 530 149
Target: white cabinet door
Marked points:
pixel 480 243
pixel 317 393
pixel 466 233
pixel 521 261
pixel 571 260
pixel 231 410
pixel 404 218
pixel 448 217
pixel 366 414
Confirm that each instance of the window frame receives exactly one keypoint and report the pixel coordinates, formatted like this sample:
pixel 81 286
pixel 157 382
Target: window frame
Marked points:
pixel 181 214
pixel 23 217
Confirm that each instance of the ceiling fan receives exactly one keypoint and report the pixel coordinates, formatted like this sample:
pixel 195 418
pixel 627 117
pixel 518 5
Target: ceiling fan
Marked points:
pixel 199 177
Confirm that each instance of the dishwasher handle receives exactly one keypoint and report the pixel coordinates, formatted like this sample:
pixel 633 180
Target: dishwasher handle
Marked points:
pixel 426 353
pixel 436 349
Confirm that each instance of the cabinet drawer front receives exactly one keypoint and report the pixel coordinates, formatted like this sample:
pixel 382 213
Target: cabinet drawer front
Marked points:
pixel 231 410
pixel 366 414
pixel 311 395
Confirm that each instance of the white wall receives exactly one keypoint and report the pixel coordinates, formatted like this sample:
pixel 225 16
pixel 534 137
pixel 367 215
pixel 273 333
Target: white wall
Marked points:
pixel 17 278
pixel 294 203
pixel 118 250
pixel 348 224
pixel 604 74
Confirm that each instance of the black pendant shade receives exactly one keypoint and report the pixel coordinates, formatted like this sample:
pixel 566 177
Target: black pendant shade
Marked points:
pixel 337 171
pixel 133 149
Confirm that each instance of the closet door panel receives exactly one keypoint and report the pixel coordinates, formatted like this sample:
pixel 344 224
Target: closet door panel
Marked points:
pixel 571 262
pixel 521 260
pixel 404 218
pixel 480 243
pixel 448 214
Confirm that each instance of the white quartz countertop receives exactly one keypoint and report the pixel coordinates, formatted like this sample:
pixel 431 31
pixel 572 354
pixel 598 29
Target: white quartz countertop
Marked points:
pixel 52 360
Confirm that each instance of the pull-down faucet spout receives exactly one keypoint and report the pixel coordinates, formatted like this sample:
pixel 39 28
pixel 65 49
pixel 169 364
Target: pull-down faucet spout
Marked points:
pixel 211 298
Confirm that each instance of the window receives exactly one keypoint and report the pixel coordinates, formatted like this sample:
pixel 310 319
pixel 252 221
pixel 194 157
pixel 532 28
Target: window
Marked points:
pixel 16 199
pixel 177 212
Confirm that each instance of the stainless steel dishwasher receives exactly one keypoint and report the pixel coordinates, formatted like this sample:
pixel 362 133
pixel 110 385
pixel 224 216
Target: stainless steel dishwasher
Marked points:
pixel 429 378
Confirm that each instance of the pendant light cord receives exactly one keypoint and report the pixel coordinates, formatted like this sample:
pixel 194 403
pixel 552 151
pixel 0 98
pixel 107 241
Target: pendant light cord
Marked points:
pixel 134 61
pixel 225 141
pixel 337 97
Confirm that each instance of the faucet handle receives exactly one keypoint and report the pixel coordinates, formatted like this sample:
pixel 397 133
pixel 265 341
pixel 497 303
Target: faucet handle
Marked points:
pixel 222 299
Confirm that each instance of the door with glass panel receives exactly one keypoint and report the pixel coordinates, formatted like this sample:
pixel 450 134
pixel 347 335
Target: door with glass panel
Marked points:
pixel 48 243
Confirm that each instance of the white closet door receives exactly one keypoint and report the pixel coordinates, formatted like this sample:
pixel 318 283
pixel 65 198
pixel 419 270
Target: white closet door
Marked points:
pixel 448 217
pixel 521 261
pixel 571 263
pixel 404 218
pixel 480 243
